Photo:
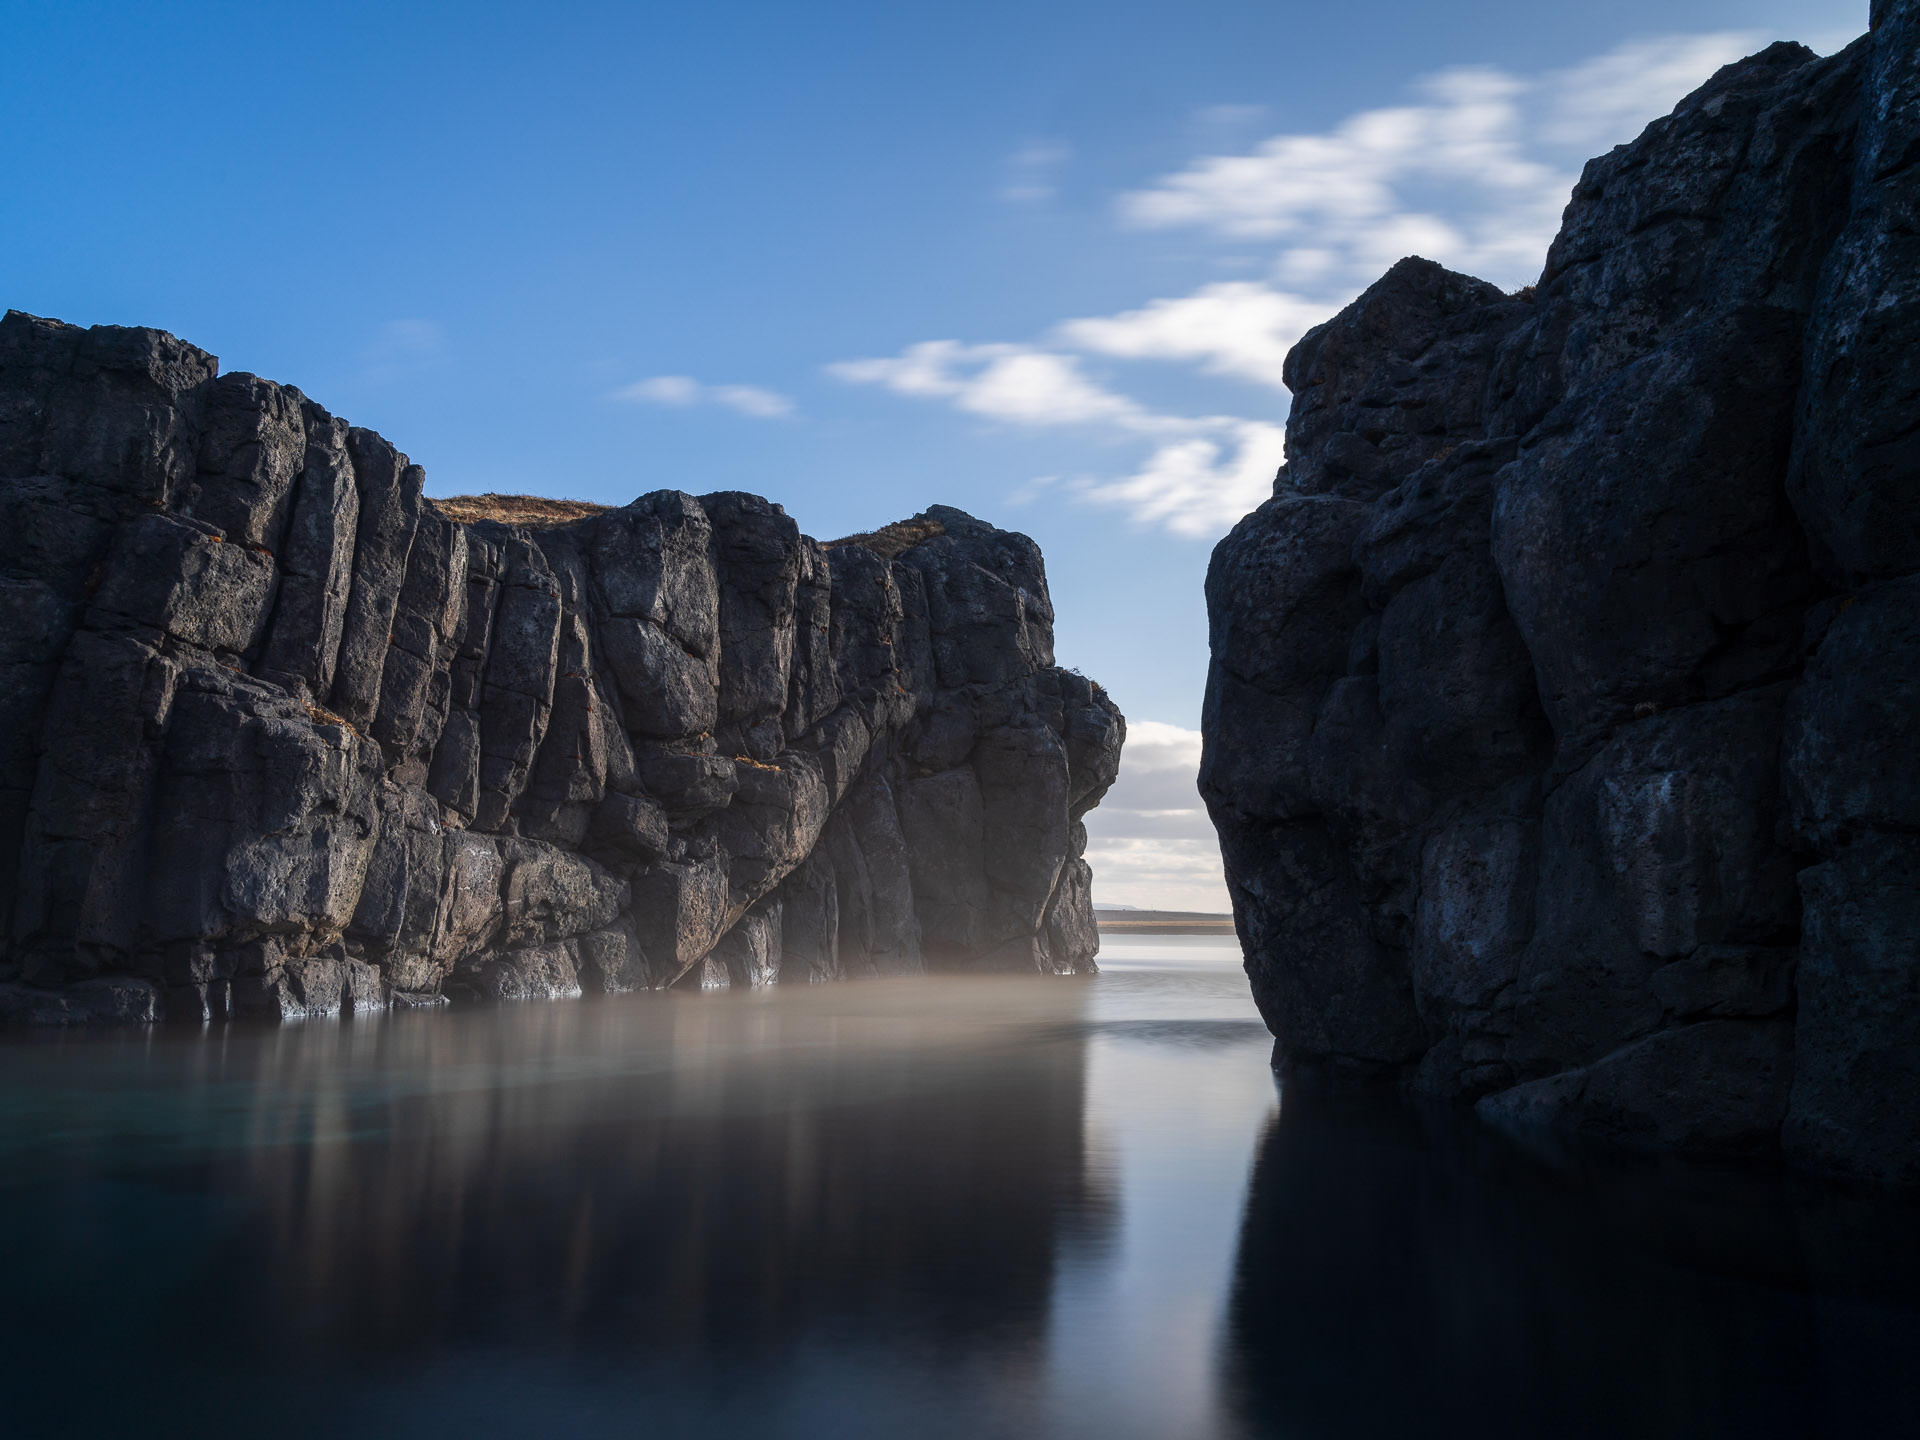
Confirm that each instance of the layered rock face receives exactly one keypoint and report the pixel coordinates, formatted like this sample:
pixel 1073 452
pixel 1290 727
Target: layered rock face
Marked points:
pixel 279 737
pixel 1563 728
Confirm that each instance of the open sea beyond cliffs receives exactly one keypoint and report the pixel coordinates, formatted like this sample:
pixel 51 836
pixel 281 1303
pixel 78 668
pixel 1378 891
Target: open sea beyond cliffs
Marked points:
pixel 992 1207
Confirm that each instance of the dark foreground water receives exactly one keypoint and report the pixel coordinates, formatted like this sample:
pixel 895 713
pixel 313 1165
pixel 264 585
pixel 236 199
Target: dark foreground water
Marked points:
pixel 1020 1208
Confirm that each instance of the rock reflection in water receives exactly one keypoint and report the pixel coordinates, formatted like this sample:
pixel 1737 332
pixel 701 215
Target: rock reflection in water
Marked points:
pixel 1403 1273
pixel 682 1194
pixel 782 1183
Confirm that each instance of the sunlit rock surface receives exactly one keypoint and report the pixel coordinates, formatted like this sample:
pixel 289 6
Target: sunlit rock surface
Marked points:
pixel 1561 728
pixel 279 737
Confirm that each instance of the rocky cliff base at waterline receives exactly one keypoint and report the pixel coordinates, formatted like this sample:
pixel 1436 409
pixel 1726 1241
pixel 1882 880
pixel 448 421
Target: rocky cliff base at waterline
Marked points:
pixel 1563 727
pixel 279 736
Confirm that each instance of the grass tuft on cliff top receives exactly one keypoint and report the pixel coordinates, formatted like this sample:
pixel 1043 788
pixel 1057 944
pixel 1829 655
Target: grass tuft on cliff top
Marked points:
pixel 534 511
pixel 895 539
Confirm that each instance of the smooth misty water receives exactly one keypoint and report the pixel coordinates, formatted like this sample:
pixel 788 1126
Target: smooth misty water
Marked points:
pixel 939 1208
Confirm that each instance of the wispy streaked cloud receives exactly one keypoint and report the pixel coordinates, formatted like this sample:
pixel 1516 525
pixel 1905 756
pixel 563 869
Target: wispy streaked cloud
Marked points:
pixel 1343 196
pixel 683 392
pixel 1474 176
pixel 1198 488
pixel 1018 384
pixel 1473 172
pixel 1033 170
pixel 1204 473
pixel 1609 98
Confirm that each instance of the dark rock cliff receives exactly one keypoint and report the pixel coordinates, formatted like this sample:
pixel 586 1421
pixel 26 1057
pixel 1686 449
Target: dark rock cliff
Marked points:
pixel 277 736
pixel 1563 728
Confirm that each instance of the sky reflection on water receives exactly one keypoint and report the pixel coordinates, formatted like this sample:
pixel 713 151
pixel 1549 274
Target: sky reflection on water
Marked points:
pixel 941 1208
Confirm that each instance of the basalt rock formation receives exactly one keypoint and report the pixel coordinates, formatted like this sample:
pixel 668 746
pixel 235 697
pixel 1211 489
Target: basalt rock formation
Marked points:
pixel 1563 728
pixel 278 736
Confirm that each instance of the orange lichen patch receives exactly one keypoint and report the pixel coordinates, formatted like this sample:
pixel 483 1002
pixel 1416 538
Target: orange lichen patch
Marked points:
pixel 536 512
pixel 894 539
pixel 753 764
pixel 320 715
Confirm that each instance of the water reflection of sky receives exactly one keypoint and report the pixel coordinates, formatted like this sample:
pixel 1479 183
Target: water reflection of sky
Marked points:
pixel 1178 1091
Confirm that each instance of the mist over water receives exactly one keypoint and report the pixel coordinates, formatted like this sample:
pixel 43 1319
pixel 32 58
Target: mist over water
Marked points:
pixel 1063 1207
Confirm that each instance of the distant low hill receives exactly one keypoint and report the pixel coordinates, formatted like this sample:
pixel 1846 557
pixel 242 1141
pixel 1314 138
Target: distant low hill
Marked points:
pixel 1121 920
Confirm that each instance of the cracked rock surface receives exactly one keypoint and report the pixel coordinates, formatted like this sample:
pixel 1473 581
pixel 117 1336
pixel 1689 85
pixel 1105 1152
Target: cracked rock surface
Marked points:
pixel 1563 725
pixel 279 737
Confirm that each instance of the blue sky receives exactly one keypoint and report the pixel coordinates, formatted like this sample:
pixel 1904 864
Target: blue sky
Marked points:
pixel 1036 260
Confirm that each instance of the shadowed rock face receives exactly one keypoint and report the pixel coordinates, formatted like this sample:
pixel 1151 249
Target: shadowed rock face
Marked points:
pixel 1561 723
pixel 277 736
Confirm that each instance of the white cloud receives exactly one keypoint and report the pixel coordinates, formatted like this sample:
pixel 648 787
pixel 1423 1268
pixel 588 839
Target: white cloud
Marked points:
pixel 1032 387
pixel 683 392
pixel 1149 841
pixel 1158 769
pixel 1198 487
pixel 1159 874
pixel 1237 328
pixel 923 369
pixel 1018 384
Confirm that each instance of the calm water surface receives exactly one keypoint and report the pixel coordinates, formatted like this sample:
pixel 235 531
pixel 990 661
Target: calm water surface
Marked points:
pixel 913 1208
